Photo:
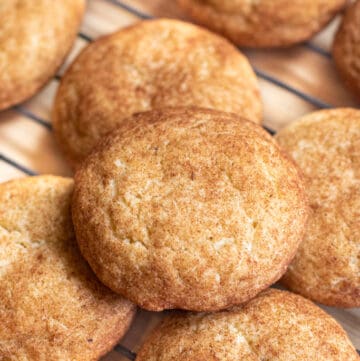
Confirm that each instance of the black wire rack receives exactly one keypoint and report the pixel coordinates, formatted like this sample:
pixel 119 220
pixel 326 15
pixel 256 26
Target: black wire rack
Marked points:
pixel 31 116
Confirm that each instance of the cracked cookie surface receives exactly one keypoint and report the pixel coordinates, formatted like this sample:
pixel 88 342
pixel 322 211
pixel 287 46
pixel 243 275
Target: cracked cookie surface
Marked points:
pixel 52 306
pixel 275 326
pixel 152 64
pixel 326 147
pixel 35 37
pixel 264 23
pixel 188 208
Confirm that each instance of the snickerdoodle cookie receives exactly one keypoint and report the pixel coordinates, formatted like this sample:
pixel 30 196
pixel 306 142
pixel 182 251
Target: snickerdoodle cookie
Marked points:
pixel 35 37
pixel 149 65
pixel 326 147
pixel 264 23
pixel 52 307
pixel 188 208
pixel 276 325
pixel 346 48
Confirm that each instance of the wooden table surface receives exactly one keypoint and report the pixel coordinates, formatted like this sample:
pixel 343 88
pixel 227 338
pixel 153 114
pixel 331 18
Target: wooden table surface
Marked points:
pixel 293 82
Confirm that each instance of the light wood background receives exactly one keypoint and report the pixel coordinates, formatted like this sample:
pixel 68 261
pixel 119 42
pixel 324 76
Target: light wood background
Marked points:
pixel 293 82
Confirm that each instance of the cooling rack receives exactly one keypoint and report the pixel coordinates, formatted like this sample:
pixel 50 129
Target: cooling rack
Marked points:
pixel 293 82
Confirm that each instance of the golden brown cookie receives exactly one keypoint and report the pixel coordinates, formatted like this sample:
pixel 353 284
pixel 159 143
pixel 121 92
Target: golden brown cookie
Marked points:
pixel 326 146
pixel 276 325
pixel 346 48
pixel 149 65
pixel 188 208
pixel 264 23
pixel 52 307
pixel 35 37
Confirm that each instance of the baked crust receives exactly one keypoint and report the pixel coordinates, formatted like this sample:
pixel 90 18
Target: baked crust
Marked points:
pixel 149 65
pixel 188 208
pixel 346 49
pixel 35 37
pixel 264 23
pixel 52 307
pixel 276 325
pixel 326 147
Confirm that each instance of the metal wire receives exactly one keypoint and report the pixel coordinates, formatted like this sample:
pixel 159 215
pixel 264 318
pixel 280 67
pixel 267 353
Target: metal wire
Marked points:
pixel 27 113
pixel 318 50
pixel 309 98
pixel 125 352
pixel 269 130
pixel 85 37
pixel 17 165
